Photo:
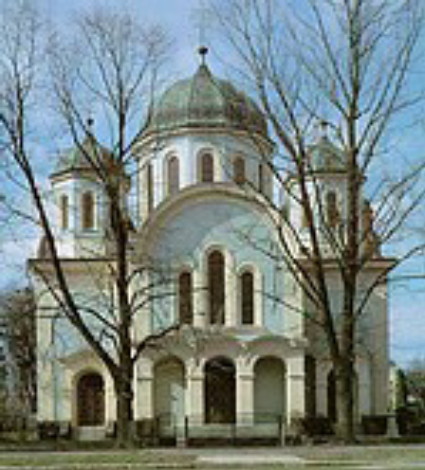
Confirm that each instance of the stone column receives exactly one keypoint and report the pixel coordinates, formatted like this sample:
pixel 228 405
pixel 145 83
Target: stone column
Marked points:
pixel 110 398
pixel 144 406
pixel 195 392
pixel 244 396
pixel 230 302
pixel 68 397
pixel 295 388
pixel 200 306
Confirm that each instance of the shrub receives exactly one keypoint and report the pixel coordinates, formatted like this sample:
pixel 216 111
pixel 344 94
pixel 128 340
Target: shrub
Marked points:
pixel 374 424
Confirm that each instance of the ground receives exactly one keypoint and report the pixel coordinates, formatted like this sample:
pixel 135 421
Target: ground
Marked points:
pixel 288 458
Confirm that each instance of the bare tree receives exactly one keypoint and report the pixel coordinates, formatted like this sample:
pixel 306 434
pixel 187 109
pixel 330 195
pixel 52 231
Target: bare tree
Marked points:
pixel 117 67
pixel 346 64
pixel 18 325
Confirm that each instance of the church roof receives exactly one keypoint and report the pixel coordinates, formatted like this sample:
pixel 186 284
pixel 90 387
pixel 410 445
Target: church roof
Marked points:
pixel 84 157
pixel 205 101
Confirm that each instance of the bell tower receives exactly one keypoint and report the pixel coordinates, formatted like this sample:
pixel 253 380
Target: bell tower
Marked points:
pixel 79 199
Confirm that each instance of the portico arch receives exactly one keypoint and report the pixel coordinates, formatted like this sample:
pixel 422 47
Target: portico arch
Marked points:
pixel 220 391
pixel 169 388
pixel 90 400
pixel 269 389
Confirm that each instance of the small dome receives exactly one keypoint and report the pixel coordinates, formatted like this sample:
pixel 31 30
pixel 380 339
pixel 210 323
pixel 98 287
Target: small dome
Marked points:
pixel 327 157
pixel 84 158
pixel 205 101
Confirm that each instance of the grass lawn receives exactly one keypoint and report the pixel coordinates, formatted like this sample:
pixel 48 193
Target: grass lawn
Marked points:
pixel 316 458
pixel 97 460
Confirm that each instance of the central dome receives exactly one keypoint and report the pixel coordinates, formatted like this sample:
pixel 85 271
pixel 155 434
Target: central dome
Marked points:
pixel 203 101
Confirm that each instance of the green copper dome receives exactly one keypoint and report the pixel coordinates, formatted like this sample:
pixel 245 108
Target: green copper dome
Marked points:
pixel 203 101
pixel 327 157
pixel 83 158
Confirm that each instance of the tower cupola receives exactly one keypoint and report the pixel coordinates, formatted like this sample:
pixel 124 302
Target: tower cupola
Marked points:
pixel 79 199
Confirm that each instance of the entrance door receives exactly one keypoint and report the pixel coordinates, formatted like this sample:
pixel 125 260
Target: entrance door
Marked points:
pixel 220 391
pixel 90 400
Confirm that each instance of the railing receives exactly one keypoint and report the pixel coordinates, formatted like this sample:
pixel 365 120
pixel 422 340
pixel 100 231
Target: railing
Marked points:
pixel 258 427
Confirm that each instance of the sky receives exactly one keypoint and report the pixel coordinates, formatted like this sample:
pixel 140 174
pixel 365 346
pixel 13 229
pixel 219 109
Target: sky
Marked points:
pixel 178 17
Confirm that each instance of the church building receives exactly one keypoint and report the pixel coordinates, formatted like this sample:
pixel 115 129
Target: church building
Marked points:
pixel 246 361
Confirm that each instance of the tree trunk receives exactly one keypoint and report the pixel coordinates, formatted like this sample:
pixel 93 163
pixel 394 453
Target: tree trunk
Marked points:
pixel 124 402
pixel 344 378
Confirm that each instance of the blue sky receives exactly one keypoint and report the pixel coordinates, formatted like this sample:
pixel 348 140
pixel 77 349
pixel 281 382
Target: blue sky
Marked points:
pixel 178 17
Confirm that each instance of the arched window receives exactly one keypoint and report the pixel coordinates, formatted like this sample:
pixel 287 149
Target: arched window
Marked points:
pixel 207 168
pixel 247 298
pixel 239 170
pixel 64 212
pixel 173 175
pixel 260 178
pixel 87 209
pixel 216 287
pixel 149 187
pixel 332 215
pixel 304 218
pixel 185 298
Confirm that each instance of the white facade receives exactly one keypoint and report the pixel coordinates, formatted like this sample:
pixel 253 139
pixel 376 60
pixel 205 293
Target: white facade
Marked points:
pixel 242 357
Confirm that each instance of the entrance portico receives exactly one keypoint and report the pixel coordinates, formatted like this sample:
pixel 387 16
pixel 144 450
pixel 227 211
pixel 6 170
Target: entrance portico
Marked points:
pixel 241 384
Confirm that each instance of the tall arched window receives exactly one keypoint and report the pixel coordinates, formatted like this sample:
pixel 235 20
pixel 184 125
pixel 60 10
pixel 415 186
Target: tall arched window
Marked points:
pixel 304 218
pixel 149 186
pixel 332 215
pixel 185 298
pixel 173 175
pixel 87 210
pixel 64 212
pixel 247 298
pixel 207 168
pixel 260 178
pixel 239 170
pixel 216 287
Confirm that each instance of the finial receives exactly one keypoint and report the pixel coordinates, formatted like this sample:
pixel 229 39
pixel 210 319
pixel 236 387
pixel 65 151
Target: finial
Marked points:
pixel 203 51
pixel 89 129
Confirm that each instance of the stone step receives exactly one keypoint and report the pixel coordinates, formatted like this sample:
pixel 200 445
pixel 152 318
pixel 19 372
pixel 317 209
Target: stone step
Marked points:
pixel 90 433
